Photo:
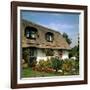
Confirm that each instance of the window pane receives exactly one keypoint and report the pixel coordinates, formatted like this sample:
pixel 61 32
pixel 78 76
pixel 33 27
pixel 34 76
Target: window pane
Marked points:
pixel 49 36
pixel 33 35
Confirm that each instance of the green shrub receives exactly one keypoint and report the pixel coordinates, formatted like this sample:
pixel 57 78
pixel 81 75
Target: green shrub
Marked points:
pixel 77 66
pixel 48 63
pixel 45 63
pixel 41 63
pixel 32 61
pixel 56 63
pixel 26 55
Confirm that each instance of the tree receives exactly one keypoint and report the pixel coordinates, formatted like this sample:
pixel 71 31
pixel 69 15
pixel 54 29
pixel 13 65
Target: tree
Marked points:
pixel 75 51
pixel 78 49
pixel 67 38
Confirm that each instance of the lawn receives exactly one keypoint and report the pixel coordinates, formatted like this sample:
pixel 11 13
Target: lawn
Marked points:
pixel 28 72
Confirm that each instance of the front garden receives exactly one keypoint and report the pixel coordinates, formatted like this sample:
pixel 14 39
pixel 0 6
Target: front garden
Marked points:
pixel 50 67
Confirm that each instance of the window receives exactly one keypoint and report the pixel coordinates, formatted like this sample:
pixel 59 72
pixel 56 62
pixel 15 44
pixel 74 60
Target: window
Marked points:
pixel 60 53
pixel 49 36
pixel 30 32
pixel 49 52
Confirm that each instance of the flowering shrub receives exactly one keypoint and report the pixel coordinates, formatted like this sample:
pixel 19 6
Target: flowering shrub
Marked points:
pixel 63 67
pixel 45 63
pixel 70 67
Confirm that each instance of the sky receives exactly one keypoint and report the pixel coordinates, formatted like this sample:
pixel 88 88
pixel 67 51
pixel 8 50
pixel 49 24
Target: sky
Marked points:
pixel 61 22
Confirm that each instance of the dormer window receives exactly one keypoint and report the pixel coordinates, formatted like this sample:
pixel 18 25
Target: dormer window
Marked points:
pixel 30 32
pixel 49 36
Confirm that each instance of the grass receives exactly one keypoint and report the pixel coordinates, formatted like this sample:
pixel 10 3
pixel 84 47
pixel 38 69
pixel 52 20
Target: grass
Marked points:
pixel 28 72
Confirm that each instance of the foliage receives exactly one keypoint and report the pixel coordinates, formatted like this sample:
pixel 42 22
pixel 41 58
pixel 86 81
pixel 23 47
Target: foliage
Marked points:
pixel 67 38
pixel 56 63
pixel 41 63
pixel 25 55
pixel 31 60
pixel 74 52
pixel 51 67
pixel 67 66
pixel 44 63
pixel 77 66
pixel 70 67
pixel 48 63
pixel 44 66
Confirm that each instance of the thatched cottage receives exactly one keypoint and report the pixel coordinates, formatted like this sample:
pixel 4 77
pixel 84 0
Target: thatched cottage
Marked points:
pixel 43 42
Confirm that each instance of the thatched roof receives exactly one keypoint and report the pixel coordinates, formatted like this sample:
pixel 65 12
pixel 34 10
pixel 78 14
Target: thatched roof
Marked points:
pixel 58 43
